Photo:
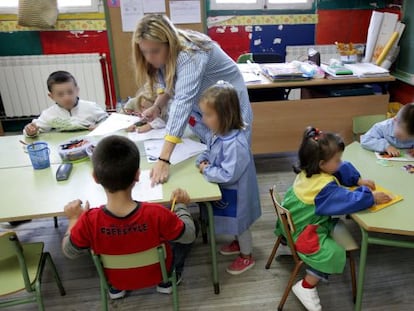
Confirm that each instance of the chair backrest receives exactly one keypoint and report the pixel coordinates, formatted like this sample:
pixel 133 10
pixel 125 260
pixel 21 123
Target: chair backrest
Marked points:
pixel 361 124
pixel 286 219
pixel 243 58
pixel 135 260
pixel 10 247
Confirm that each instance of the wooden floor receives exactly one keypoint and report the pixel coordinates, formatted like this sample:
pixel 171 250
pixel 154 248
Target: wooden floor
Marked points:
pixel 389 281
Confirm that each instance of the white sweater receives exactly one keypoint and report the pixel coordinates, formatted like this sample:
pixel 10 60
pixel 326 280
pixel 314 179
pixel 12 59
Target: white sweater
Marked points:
pixel 82 116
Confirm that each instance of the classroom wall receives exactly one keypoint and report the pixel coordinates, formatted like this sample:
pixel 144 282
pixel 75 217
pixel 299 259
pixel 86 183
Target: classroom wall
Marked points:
pixel 74 33
pixel 271 31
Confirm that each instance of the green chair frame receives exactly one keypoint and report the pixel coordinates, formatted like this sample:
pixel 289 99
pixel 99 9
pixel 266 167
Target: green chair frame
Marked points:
pixel 361 124
pixel 21 268
pixel 141 259
pixel 286 221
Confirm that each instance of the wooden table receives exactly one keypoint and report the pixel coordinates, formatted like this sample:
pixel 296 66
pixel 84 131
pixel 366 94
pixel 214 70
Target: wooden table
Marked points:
pixel 26 193
pixel 278 125
pixel 394 221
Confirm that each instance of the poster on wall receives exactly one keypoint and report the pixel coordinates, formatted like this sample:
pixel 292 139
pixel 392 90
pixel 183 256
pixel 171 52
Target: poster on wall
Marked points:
pixel 133 10
pixel 185 12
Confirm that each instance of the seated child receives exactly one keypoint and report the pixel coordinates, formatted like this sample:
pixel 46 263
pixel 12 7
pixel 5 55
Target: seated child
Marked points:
pixel 392 134
pixel 318 193
pixel 69 113
pixel 144 100
pixel 123 225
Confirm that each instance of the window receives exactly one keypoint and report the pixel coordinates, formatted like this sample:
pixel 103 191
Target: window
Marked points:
pixel 261 4
pixel 65 6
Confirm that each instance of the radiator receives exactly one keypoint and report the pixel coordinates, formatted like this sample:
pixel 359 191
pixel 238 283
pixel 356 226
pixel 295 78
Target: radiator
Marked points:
pixel 23 86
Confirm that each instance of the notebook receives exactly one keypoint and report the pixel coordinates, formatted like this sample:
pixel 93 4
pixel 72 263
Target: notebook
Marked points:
pixel 282 72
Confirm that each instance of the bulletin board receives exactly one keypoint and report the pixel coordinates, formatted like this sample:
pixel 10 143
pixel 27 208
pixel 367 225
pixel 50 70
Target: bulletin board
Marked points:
pixel 122 47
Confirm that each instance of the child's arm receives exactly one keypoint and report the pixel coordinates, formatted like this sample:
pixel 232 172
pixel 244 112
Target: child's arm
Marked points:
pixel 334 199
pixel 236 158
pixel 374 139
pixel 73 210
pixel 349 176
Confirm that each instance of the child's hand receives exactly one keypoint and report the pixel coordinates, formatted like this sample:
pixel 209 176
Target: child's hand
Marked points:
pixel 74 209
pixel 411 152
pixel 31 129
pixel 92 127
pixel 366 182
pixel 392 151
pixel 131 128
pixel 180 195
pixel 203 165
pixel 381 197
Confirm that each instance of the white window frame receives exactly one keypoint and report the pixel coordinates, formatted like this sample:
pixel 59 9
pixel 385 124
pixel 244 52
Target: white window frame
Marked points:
pixel 261 5
pixel 94 7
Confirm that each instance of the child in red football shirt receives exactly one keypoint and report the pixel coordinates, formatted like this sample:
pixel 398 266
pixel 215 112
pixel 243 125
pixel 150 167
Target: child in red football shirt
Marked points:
pixel 124 226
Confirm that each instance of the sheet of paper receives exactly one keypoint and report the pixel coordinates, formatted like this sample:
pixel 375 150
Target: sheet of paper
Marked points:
pixel 185 11
pixel 115 122
pixel 152 134
pixel 131 12
pixel 142 191
pixel 404 157
pixel 154 6
pixel 251 77
pixel 373 31
pixel 182 151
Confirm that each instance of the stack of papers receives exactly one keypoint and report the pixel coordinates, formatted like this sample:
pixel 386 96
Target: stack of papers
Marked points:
pixel 282 71
pixel 338 72
pixel 367 70
pixel 115 122
pixel 187 149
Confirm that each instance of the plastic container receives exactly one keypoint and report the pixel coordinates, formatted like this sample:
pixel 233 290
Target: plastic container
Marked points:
pixel 39 155
pixel 74 150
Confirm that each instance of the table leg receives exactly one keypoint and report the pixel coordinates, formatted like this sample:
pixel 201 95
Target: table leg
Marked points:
pixel 361 271
pixel 213 247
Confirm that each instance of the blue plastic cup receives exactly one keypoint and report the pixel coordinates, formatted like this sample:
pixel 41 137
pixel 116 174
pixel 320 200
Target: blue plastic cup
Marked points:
pixel 39 155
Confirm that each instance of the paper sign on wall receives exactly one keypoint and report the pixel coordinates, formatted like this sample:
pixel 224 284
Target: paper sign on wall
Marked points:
pixel 185 12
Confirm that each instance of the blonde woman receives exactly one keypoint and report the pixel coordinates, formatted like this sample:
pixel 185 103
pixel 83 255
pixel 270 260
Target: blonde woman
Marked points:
pixel 181 65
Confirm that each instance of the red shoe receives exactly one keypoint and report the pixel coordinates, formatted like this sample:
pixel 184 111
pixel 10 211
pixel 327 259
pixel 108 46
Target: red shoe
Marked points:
pixel 240 265
pixel 231 249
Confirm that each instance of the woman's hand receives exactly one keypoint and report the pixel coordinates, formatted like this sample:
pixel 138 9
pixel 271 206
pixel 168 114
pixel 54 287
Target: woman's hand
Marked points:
pixel 151 113
pixel 159 173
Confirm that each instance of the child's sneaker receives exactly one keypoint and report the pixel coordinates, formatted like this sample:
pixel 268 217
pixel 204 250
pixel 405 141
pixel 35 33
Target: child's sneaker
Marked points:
pixel 308 297
pixel 240 265
pixel 116 293
pixel 231 249
pixel 166 288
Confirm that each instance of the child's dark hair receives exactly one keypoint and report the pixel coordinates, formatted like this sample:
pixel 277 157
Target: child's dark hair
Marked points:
pixel 406 118
pixel 317 146
pixel 223 98
pixel 58 77
pixel 115 162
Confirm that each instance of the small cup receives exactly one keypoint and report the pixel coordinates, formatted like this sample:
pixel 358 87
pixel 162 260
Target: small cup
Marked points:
pixel 39 155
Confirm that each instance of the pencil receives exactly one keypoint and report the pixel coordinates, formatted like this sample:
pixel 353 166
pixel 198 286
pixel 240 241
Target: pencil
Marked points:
pixel 173 204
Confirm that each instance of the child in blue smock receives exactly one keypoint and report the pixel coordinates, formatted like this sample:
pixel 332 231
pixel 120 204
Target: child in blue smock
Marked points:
pixel 319 192
pixel 392 134
pixel 229 162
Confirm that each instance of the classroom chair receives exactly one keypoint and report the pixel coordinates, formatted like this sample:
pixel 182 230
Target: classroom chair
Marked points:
pixel 260 58
pixel 341 235
pixel 21 268
pixel 361 124
pixel 155 255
